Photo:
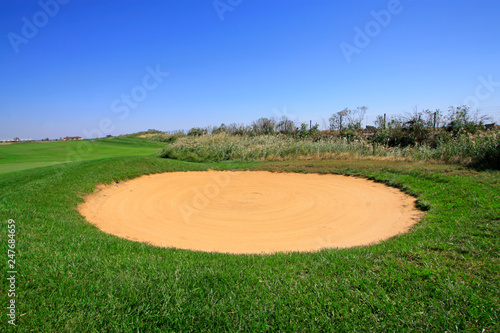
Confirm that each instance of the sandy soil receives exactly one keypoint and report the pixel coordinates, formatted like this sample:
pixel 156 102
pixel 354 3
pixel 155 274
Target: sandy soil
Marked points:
pixel 251 212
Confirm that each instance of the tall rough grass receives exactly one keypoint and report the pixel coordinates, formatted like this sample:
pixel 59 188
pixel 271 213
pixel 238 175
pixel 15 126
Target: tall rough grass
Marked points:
pixel 481 149
pixel 224 147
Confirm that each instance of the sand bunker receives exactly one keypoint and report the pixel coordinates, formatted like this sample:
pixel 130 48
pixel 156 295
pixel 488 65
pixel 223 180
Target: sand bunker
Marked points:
pixel 251 211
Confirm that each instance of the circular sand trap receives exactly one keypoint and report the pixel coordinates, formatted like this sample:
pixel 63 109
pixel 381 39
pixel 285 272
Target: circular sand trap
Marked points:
pixel 251 211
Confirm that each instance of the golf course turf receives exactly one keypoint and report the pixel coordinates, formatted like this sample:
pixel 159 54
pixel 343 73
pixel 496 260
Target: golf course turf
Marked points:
pixel 443 275
pixel 30 155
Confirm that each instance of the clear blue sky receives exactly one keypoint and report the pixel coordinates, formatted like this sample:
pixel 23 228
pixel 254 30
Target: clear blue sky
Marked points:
pixel 264 58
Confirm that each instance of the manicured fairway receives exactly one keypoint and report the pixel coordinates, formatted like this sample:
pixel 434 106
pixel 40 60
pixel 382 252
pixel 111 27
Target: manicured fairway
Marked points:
pixel 444 275
pixel 29 155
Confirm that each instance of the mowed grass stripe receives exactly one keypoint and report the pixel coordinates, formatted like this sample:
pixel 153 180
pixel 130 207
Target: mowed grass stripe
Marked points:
pixel 21 156
pixel 442 276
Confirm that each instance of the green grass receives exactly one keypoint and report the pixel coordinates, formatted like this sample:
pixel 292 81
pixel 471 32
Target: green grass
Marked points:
pixel 444 275
pixel 30 155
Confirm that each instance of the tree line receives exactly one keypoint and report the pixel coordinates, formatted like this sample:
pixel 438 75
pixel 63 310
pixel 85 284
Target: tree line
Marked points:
pixel 418 127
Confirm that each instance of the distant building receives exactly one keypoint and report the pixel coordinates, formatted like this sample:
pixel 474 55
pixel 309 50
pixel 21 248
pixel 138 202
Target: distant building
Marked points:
pixel 370 129
pixel 70 138
pixel 489 126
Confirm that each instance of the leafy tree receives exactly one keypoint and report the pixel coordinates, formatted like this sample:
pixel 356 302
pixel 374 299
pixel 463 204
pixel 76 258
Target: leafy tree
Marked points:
pixel 285 125
pixel 235 129
pixel 264 126
pixel 314 132
pixel 221 129
pixel 304 132
pixel 355 118
pixel 413 128
pixel 153 131
pixel 197 131
pixel 338 120
pixel 462 118
pixel 348 119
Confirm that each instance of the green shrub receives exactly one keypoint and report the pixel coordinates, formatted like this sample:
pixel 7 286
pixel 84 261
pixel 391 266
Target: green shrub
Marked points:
pixel 168 138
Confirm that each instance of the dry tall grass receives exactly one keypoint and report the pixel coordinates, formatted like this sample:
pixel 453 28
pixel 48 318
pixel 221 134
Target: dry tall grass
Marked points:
pixel 482 149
